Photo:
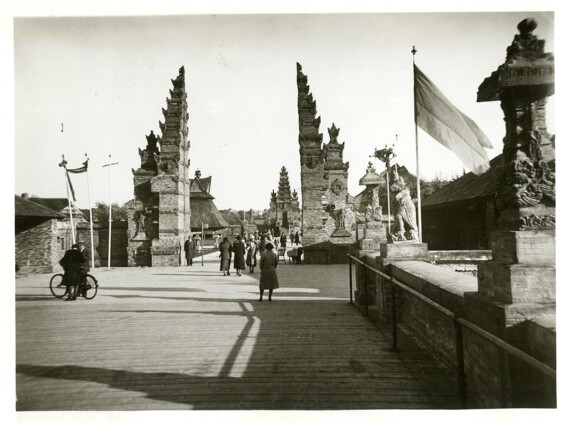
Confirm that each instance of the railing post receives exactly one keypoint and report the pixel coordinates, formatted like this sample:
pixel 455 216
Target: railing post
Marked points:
pixel 461 383
pixel 394 323
pixel 365 289
pixel 350 281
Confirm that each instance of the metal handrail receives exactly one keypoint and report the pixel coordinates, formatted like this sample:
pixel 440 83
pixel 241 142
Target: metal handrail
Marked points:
pixel 458 323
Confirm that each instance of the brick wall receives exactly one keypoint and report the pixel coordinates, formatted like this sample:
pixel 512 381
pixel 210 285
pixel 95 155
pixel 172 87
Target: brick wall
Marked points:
pixel 37 250
pixel 493 378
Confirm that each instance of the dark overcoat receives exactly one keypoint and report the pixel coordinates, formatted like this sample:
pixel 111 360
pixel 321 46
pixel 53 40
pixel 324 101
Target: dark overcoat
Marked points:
pixel 72 262
pixel 189 249
pixel 238 248
pixel 225 256
pixel 268 264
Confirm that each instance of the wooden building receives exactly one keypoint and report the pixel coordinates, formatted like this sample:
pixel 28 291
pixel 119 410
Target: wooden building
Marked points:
pixel 462 214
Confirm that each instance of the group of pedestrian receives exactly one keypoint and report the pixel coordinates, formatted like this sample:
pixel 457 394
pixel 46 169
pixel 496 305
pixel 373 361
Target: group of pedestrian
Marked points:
pixel 244 252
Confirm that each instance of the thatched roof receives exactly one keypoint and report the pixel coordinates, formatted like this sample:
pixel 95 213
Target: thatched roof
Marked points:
pixel 200 188
pixel 468 186
pixel 203 210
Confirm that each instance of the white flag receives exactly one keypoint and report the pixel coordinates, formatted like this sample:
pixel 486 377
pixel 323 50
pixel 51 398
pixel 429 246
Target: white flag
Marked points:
pixel 448 125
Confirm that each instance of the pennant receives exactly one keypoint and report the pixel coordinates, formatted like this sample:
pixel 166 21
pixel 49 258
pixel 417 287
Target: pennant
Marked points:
pixel 448 125
pixel 81 169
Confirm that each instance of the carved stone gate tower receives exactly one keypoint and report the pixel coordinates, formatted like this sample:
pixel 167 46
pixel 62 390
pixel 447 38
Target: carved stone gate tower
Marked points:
pixel 328 221
pixel 159 215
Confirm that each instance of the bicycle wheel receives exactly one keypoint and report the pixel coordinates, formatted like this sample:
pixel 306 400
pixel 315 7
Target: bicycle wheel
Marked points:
pixel 90 288
pixel 57 287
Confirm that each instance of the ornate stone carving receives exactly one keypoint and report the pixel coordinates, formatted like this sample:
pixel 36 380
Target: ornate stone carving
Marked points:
pixel 522 84
pixel 405 227
pixel 337 186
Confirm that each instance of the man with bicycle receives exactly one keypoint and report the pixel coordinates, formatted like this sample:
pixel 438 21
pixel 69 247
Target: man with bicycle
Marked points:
pixel 73 262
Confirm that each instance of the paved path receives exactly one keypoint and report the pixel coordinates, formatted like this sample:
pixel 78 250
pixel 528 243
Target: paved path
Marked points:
pixel 189 338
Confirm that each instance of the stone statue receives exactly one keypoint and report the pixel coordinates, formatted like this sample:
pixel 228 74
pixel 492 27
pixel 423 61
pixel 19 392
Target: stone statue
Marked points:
pixel 139 219
pixel 405 227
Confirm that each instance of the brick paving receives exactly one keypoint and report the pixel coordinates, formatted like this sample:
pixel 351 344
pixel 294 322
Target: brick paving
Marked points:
pixel 190 338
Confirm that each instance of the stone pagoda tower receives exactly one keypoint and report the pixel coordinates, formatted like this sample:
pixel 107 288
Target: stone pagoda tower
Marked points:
pixel 159 215
pixel 328 221
pixel 284 207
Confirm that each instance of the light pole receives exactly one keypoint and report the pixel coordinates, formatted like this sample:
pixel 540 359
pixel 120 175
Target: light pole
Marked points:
pixel 109 166
pixel 204 226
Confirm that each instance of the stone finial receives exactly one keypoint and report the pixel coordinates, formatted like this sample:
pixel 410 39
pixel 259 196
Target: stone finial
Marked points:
pixel 525 43
pixel 333 132
pixel 197 174
pixel 152 142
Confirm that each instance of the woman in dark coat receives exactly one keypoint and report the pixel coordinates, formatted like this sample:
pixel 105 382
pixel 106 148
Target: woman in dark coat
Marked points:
pixel 268 265
pixel 238 248
pixel 225 256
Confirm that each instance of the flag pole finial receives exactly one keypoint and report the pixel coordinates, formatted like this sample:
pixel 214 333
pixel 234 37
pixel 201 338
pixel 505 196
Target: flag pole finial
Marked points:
pixel 414 50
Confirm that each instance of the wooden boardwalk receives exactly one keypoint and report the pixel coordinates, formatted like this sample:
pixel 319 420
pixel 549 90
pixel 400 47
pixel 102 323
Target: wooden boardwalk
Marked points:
pixel 189 338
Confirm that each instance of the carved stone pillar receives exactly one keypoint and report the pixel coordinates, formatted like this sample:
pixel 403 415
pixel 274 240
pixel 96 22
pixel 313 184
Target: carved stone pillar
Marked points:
pixel 518 284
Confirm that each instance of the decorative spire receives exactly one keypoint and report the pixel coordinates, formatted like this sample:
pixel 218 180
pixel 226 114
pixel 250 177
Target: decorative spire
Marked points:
pixel 309 136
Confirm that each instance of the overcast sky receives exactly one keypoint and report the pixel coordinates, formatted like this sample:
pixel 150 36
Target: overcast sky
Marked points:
pixel 106 79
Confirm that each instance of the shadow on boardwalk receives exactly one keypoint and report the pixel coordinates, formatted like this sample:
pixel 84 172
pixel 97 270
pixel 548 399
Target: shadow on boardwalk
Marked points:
pixel 194 352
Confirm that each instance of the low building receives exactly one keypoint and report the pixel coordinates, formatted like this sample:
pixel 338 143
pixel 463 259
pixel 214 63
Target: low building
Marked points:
pixel 37 244
pixel 462 214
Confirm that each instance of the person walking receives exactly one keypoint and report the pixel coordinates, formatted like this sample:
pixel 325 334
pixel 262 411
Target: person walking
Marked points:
pixel 283 240
pixel 238 248
pixel 297 237
pixel 262 244
pixel 225 256
pixel 72 262
pixel 189 251
pixel 268 265
pixel 251 254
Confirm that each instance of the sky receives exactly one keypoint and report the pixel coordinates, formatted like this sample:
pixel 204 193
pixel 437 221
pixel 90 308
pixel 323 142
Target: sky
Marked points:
pixel 104 80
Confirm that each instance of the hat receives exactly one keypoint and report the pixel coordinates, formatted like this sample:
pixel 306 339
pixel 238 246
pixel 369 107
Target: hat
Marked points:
pixel 269 246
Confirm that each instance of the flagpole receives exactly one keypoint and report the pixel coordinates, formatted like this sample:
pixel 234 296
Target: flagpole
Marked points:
pixel 63 164
pixel 417 149
pixel 90 209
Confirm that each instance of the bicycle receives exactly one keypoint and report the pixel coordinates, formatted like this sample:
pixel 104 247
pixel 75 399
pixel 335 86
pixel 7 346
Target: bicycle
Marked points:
pixel 87 289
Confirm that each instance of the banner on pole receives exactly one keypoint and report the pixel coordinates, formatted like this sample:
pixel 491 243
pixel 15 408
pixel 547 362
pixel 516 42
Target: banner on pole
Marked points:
pixel 444 122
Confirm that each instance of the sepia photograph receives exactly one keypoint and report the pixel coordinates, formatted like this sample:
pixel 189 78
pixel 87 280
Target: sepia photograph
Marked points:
pixel 334 210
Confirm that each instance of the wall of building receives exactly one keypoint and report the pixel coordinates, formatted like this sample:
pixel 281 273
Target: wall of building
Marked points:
pixel 462 226
pixel 37 249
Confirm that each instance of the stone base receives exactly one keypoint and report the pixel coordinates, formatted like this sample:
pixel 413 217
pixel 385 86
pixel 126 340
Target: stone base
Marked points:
pixel 405 249
pixel 522 269
pixel 524 247
pixel 517 283
pixel 139 253
pixel 368 244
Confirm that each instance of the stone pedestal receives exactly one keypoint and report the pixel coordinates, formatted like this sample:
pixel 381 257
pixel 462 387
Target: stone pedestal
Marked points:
pixel 406 250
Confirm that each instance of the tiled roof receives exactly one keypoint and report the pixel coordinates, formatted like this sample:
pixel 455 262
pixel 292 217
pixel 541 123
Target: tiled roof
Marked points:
pixel 56 204
pixel 26 208
pixel 468 186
